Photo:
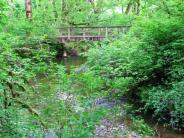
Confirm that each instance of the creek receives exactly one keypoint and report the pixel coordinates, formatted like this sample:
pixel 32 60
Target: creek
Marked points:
pixel 163 132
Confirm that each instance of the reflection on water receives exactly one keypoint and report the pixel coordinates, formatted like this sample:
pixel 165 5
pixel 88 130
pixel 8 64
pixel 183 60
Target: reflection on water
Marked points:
pixel 73 61
pixel 159 130
pixel 163 132
pixel 168 133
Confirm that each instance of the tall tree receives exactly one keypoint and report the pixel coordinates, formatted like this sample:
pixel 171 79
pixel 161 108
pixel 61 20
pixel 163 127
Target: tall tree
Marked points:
pixel 128 7
pixel 28 5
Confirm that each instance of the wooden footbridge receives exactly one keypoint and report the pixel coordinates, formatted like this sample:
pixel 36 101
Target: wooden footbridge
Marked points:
pixel 90 33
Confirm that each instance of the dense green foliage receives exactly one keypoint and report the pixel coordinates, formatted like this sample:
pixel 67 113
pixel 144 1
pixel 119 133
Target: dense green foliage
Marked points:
pixel 22 56
pixel 145 65
pixel 148 63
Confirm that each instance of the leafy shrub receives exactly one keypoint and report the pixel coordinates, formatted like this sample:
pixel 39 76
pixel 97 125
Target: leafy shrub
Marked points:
pixel 166 102
pixel 149 60
pixel 22 56
pixel 86 83
pixel 141 127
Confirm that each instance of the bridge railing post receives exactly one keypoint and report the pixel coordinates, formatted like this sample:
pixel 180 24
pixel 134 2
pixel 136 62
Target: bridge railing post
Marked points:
pixel 69 32
pixel 84 32
pixel 123 29
pixel 106 31
pixel 99 31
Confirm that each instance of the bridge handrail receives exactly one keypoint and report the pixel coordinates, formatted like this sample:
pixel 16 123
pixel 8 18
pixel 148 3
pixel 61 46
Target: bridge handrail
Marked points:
pixel 90 32
pixel 128 26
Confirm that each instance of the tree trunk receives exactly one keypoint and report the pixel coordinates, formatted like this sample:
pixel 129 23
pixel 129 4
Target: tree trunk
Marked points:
pixel 28 5
pixel 128 7
pixel 138 7
pixel 5 100
pixel 122 9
